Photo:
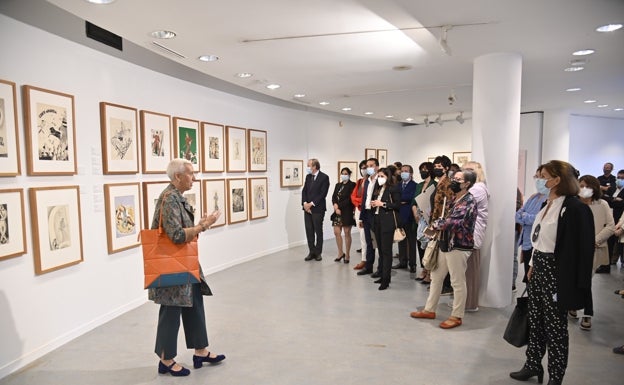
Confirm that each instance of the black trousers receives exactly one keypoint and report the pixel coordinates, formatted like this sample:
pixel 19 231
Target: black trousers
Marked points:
pixel 367 222
pixel 384 244
pixel 526 258
pixel 314 229
pixel 194 323
pixel 407 247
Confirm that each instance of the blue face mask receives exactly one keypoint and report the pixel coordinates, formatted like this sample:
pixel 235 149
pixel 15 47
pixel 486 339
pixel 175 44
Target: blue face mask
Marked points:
pixel 540 185
pixel 619 183
pixel 405 176
pixel 308 170
pixel 370 171
pixel 344 178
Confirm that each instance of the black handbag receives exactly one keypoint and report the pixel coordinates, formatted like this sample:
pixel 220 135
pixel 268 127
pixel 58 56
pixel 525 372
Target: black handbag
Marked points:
pixel 517 330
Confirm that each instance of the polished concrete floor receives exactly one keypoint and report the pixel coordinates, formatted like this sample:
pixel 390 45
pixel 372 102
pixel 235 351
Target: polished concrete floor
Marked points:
pixel 283 321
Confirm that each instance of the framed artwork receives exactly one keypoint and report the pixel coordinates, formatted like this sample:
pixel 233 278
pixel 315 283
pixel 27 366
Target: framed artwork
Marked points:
pixel 461 157
pixel 257 156
pixel 155 142
pixel 186 141
pixel 56 227
pixel 258 198
pixel 214 199
pixel 12 224
pixel 291 173
pixel 194 199
pixel 235 139
pixel 213 150
pixel 120 153
pixel 370 153
pixel 237 200
pixel 122 203
pixel 382 157
pixel 9 138
pixel 151 192
pixel 352 165
pixel 50 132
pixel 431 159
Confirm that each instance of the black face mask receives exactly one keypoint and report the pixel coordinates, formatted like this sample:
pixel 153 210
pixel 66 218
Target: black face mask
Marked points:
pixel 455 186
pixel 424 174
pixel 438 172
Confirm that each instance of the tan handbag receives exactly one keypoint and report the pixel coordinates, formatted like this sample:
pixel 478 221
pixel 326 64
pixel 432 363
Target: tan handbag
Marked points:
pixel 399 233
pixel 430 259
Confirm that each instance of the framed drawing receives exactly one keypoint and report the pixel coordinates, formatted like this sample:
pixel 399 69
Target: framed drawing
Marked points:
pixel 370 153
pixel 50 132
pixel 213 150
pixel 236 149
pixel 120 153
pixel 12 224
pixel 431 159
pixel 9 138
pixel 155 142
pixel 258 198
pixel 237 200
pixel 56 227
pixel 382 157
pixel 151 192
pixel 461 157
pixel 194 199
pixel 214 199
pixel 257 156
pixel 291 173
pixel 186 141
pixel 352 165
pixel 122 203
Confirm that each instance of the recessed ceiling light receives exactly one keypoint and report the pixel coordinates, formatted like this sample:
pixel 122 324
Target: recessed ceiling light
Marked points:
pixel 389 116
pixel 603 105
pixel 589 101
pixel 618 109
pixel 100 1
pixel 273 86
pixel 368 113
pixel 208 58
pixel 574 69
pixel 409 119
pixel 573 89
pixel 324 103
pixel 299 95
pixel 164 34
pixel 346 108
pixel 609 28
pixel 578 62
pixel 583 52
pixel 243 75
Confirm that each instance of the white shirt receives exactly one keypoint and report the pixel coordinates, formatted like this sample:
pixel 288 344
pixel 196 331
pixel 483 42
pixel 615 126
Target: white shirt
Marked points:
pixel 547 236
pixel 369 193
pixel 380 194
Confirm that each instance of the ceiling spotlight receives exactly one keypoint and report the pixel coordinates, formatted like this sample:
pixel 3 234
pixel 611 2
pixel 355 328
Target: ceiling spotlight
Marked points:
pixel 603 105
pixel 618 109
pixel 574 69
pixel 163 34
pixel 589 101
pixel 368 113
pixel 583 52
pixel 578 62
pixel 100 1
pixel 439 120
pixel 609 28
pixel 273 86
pixel 299 96
pixel 389 116
pixel 426 121
pixel 460 118
pixel 573 89
pixel 409 119
pixel 346 108
pixel 444 40
pixel 324 103
pixel 244 75
pixel 208 58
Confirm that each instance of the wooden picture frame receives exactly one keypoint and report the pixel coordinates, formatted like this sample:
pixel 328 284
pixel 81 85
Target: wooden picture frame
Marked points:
pixel 12 223
pixel 382 157
pixel 155 142
pixel 187 141
pixel 50 132
pixel 461 157
pixel 122 202
pixel 352 165
pixel 237 200
pixel 215 199
pixel 291 173
pixel 370 153
pixel 235 139
pixel 120 151
pixel 151 192
pixel 257 150
pixel 194 199
pixel 9 138
pixel 56 227
pixel 213 149
pixel 258 198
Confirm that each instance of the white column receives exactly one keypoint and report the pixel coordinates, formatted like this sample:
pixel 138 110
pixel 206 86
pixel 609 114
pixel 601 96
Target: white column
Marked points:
pixel 495 143
pixel 556 135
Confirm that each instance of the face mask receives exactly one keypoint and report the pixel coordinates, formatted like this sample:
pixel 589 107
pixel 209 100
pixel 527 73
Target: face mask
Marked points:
pixel 370 171
pixel 455 186
pixel 381 180
pixel 619 183
pixel 363 171
pixel 344 178
pixel 438 172
pixel 540 185
pixel 586 192
pixel 405 176
pixel 308 170
pixel 424 174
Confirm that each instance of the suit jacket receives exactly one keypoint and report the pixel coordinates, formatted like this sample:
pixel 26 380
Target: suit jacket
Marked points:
pixel 574 254
pixel 315 191
pixel 387 214
pixel 617 206
pixel 405 210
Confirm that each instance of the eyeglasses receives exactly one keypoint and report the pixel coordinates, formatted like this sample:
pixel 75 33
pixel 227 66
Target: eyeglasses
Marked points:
pixel 458 180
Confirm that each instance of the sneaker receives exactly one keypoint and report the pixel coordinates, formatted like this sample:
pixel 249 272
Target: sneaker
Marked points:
pixel 572 314
pixel 447 291
pixel 586 323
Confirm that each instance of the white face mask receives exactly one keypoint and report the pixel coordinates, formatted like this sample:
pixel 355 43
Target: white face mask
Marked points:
pixel 344 178
pixel 381 180
pixel 363 172
pixel 586 192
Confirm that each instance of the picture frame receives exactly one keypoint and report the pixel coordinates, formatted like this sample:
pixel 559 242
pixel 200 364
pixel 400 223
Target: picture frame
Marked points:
pixel 50 132
pixel 431 159
pixel 122 202
pixel 461 157
pixel 237 200
pixel 213 150
pixel 186 141
pixel 352 165
pixel 382 157
pixel 56 227
pixel 12 223
pixel 235 139
pixel 151 192
pixel 119 128
pixel 291 173
pixel 194 199
pixel 155 142
pixel 370 153
pixel 258 198
pixel 257 150
pixel 9 138
pixel 215 199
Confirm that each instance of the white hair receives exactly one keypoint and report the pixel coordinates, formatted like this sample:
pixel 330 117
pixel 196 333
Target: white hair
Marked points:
pixel 177 166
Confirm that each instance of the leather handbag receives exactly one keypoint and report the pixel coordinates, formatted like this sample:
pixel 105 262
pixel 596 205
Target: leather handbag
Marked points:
pixel 166 263
pixel 430 259
pixel 399 233
pixel 517 330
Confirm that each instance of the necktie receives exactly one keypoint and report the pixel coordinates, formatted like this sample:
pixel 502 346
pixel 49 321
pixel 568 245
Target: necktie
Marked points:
pixel 364 194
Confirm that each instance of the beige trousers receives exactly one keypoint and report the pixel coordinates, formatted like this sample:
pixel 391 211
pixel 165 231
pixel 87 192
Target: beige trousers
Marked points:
pixel 454 262
pixel 361 232
pixel 473 275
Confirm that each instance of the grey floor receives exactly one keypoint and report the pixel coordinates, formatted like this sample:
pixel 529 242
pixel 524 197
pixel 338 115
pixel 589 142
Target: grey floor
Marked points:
pixel 284 321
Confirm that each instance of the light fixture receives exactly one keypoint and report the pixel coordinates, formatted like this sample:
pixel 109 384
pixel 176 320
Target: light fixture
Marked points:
pixel 324 103
pixel 574 69
pixel 444 40
pixel 244 75
pixel 603 105
pixel 389 116
pixel 273 86
pixel 426 121
pixel 299 96
pixel 609 28
pixel 589 101
pixel 368 113
pixel 583 52
pixel 409 119
pixel 578 62
pixel 460 118
pixel 439 120
pixel 208 58
pixel 618 109
pixel 100 1
pixel 573 89
pixel 163 34
pixel 346 108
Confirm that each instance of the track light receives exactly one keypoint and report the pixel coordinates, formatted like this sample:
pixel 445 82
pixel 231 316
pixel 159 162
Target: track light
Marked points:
pixel 439 120
pixel 426 121
pixel 443 40
pixel 460 118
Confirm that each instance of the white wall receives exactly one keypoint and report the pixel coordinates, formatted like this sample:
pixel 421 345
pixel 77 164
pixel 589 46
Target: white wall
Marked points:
pixel 595 141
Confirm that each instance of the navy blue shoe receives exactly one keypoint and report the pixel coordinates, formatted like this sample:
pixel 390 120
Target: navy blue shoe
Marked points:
pixel 164 369
pixel 198 361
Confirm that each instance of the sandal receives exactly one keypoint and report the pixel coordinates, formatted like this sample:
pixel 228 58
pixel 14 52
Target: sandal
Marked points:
pixel 451 322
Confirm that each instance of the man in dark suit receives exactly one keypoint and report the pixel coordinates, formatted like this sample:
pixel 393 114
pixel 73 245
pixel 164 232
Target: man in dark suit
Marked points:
pixel 313 198
pixel 607 180
pixel 616 201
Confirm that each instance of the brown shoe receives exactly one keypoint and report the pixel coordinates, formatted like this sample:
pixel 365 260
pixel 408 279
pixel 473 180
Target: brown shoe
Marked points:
pixel 423 314
pixel 360 266
pixel 451 322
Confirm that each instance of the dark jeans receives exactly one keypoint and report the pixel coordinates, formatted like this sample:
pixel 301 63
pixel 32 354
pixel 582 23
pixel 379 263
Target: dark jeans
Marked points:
pixel 384 244
pixel 367 222
pixel 407 247
pixel 314 227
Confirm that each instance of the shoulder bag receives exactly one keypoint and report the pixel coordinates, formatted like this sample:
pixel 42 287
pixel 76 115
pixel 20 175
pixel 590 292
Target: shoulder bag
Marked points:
pixel 517 330
pixel 399 233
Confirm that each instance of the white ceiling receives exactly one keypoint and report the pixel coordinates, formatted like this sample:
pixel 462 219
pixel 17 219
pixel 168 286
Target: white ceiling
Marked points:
pixel 350 66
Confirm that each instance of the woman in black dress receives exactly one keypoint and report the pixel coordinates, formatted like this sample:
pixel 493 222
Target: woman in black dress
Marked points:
pixel 342 218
